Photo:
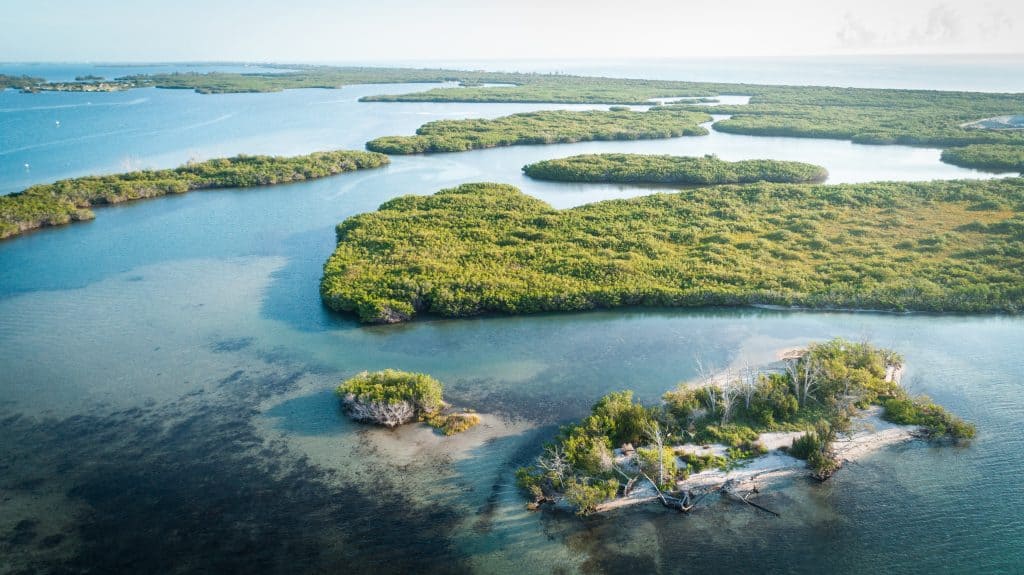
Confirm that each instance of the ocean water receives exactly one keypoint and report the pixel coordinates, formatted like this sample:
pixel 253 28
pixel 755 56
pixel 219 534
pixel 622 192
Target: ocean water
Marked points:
pixel 972 73
pixel 166 374
pixel 67 72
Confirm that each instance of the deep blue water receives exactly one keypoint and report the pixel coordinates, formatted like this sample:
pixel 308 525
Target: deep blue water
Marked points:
pixel 165 391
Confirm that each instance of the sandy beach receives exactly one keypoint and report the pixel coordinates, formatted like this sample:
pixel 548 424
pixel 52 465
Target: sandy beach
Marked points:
pixel 870 433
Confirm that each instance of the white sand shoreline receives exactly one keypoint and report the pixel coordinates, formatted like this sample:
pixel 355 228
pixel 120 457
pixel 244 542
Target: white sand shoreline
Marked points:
pixel 870 434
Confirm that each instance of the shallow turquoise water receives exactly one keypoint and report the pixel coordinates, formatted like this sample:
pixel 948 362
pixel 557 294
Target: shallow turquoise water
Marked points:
pixel 165 391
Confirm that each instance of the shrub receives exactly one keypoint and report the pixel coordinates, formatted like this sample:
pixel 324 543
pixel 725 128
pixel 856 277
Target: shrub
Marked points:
pixel 586 496
pixel 731 435
pixel 815 447
pixel 682 402
pixel 773 401
pixel 588 454
pixel 697 463
pixel 450 424
pixel 647 458
pixel 619 418
pixel 934 419
pixel 459 422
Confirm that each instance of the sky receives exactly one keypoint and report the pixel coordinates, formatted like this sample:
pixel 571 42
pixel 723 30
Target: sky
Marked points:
pixel 409 30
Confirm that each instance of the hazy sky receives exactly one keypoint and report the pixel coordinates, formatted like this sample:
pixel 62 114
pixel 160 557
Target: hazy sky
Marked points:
pixel 366 30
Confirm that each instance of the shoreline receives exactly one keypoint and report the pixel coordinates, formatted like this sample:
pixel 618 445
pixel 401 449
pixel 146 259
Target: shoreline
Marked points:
pixel 870 435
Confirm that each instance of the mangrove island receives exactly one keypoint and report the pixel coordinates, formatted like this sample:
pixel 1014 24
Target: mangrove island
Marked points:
pixel 69 200
pixel 392 398
pixel 480 248
pixel 731 433
pixel 664 169
pixel 547 127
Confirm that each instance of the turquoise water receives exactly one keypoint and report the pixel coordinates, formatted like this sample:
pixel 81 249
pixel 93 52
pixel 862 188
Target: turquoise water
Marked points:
pixel 165 392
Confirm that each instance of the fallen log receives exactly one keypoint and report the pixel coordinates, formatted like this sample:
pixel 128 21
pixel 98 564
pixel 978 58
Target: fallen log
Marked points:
pixel 728 489
pixel 762 508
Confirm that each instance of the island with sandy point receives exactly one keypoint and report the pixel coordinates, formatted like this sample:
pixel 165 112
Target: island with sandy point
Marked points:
pixel 733 433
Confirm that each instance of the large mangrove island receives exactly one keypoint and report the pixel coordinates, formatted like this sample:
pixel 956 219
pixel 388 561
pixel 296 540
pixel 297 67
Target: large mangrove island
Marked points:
pixel 479 248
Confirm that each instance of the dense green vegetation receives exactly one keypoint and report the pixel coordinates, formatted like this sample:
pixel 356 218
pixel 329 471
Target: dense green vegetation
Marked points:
pixel 927 124
pixel 548 127
pixel 478 248
pixel 580 463
pixel 393 386
pixel 818 391
pixel 69 200
pixel 655 169
pixel 935 420
pixel 815 447
pixel 391 397
pixel 989 157
pixel 909 117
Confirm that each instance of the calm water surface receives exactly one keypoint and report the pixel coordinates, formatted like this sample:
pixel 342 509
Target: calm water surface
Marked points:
pixel 165 391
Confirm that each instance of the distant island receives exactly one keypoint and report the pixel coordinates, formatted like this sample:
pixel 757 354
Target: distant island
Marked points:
pixel 731 433
pixel 18 82
pixel 69 200
pixel 546 127
pixel 392 398
pixel 862 115
pixel 661 169
pixel 488 248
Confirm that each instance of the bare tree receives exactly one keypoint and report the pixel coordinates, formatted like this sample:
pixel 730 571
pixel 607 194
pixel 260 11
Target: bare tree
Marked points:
pixel 554 461
pixel 706 377
pixel 653 431
pixel 730 390
pixel 748 378
pixel 805 374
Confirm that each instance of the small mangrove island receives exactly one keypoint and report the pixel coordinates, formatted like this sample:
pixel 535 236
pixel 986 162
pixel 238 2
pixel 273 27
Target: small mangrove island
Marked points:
pixel 489 248
pixel 729 434
pixel 664 169
pixel 69 200
pixel 392 398
pixel 547 127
